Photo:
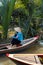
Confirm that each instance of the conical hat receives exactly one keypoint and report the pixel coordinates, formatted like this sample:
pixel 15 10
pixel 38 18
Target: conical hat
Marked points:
pixel 17 29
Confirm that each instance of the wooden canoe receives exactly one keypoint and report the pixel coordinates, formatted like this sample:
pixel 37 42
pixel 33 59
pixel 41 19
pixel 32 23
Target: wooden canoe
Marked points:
pixel 28 59
pixel 25 44
pixel 2 45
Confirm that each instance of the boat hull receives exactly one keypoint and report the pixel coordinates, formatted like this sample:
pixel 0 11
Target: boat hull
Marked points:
pixel 28 59
pixel 20 48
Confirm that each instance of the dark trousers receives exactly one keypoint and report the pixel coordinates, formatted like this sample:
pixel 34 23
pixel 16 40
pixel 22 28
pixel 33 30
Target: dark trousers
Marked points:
pixel 15 42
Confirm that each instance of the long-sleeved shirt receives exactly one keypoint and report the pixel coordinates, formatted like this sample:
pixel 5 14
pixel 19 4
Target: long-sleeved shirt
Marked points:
pixel 19 36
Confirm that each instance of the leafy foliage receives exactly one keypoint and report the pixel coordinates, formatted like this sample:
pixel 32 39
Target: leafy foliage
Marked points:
pixel 26 13
pixel 7 11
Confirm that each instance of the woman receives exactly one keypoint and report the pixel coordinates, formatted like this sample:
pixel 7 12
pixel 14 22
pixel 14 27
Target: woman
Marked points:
pixel 18 37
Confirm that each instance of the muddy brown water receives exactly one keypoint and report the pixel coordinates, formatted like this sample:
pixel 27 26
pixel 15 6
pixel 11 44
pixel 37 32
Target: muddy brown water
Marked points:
pixel 6 61
pixel 35 49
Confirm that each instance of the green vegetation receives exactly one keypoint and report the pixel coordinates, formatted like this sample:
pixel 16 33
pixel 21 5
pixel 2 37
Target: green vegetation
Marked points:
pixel 28 14
pixel 8 8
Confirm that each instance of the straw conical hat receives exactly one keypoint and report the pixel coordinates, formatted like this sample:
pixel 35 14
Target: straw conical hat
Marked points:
pixel 18 29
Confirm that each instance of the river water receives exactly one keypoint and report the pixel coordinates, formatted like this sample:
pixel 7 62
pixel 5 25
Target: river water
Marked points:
pixel 35 49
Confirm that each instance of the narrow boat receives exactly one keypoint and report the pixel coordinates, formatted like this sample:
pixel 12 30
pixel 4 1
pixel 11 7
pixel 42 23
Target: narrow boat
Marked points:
pixel 28 59
pixel 2 45
pixel 25 44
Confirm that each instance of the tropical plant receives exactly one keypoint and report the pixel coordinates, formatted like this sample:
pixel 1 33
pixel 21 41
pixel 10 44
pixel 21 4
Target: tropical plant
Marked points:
pixel 8 6
pixel 26 13
pixel 34 13
pixel 28 17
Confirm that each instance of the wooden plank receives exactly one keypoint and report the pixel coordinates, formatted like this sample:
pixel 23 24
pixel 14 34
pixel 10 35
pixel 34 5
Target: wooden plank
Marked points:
pixel 28 58
pixel 37 60
pixel 25 58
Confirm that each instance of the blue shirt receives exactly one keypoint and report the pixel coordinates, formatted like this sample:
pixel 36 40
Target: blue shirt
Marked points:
pixel 19 36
